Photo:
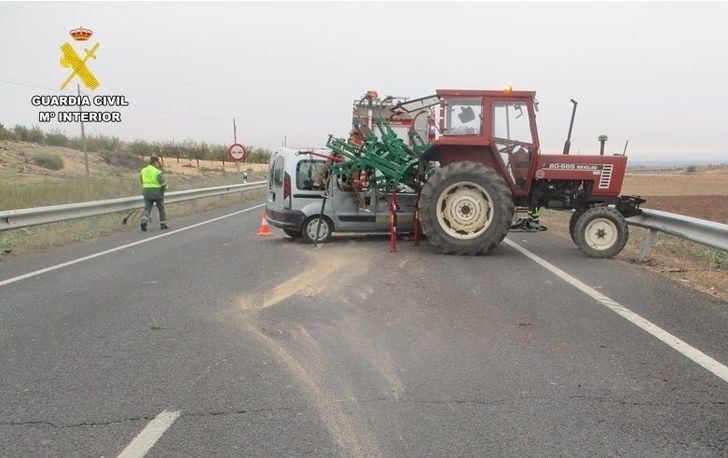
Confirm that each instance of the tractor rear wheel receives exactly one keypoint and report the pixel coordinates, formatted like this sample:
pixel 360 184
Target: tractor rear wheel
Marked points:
pixel 601 232
pixel 466 208
pixel 572 222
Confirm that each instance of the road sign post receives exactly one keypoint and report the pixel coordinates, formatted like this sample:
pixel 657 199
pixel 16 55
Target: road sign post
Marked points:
pixel 237 153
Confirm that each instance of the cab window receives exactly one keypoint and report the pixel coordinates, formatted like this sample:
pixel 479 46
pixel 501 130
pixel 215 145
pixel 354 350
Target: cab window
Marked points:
pixel 511 121
pixel 463 116
pixel 512 140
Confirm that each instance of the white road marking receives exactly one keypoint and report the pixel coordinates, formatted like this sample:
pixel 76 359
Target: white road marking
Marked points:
pixel 149 436
pixel 686 349
pixel 119 248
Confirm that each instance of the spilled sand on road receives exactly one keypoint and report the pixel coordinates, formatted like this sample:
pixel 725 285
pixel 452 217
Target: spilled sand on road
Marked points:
pixel 300 354
pixel 351 435
pixel 315 279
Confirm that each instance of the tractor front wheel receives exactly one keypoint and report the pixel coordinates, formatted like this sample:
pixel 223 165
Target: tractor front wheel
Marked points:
pixel 466 208
pixel 601 232
pixel 572 222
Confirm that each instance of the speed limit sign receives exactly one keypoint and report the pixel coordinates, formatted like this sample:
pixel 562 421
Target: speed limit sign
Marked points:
pixel 237 152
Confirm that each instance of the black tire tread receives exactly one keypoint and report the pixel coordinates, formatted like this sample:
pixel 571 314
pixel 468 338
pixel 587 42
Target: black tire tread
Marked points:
pixel 572 222
pixel 503 201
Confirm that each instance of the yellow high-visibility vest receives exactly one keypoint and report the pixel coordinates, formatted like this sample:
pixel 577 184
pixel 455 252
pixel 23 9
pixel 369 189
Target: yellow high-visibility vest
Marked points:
pixel 150 177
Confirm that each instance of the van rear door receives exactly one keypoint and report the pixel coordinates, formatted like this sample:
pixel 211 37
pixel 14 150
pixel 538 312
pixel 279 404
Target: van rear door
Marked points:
pixel 275 183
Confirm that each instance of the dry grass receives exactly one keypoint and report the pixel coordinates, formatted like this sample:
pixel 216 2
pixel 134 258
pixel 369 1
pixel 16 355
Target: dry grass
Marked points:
pixel 702 268
pixel 704 182
pixel 183 166
pixel 24 184
pixel 27 192
pixel 16 161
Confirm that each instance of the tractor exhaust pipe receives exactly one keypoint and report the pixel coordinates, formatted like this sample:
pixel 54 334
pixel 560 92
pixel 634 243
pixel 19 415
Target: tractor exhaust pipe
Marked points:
pixel 567 144
pixel 602 140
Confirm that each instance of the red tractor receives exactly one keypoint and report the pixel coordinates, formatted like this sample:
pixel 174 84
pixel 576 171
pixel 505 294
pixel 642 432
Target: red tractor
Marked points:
pixel 490 163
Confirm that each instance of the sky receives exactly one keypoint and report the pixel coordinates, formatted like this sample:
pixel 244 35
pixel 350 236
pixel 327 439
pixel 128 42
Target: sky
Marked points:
pixel 651 73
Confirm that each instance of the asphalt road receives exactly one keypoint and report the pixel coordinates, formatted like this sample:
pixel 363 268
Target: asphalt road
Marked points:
pixel 265 346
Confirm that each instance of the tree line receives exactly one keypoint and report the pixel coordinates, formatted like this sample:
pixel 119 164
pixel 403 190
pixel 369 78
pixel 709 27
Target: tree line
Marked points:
pixel 113 149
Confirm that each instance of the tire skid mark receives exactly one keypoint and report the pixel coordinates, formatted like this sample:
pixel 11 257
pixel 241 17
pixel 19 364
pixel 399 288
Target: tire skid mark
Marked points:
pixel 304 356
pixel 352 437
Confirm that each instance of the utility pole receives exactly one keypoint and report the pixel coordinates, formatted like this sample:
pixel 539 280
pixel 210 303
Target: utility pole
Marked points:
pixel 235 140
pixel 285 140
pixel 83 133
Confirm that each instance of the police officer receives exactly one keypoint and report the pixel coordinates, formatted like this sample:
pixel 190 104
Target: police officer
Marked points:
pixel 153 186
pixel 534 213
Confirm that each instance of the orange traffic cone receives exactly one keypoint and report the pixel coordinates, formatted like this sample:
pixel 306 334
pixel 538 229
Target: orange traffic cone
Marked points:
pixel 264 227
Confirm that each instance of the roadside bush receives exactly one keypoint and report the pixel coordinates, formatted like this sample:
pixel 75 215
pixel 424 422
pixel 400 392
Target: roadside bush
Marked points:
pixel 122 159
pixel 102 144
pixel 48 161
pixel 21 132
pixel 6 134
pixel 259 155
pixel 138 148
pixel 56 138
pixel 115 151
pixel 33 134
pixel 692 169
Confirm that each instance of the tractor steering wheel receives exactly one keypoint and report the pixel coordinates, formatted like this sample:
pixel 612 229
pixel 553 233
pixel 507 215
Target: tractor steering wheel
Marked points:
pixel 510 150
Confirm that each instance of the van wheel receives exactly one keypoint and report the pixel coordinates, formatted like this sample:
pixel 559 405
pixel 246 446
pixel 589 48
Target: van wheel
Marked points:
pixel 292 234
pixel 601 232
pixel 310 226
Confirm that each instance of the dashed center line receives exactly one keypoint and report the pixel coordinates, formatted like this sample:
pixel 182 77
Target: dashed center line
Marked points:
pixel 149 436
pixel 686 349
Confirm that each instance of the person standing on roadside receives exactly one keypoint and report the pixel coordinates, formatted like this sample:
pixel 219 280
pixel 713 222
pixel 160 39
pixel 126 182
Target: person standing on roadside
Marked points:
pixel 153 186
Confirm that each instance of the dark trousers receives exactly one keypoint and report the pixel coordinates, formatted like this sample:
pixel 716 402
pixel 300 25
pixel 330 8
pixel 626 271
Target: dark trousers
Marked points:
pixel 153 196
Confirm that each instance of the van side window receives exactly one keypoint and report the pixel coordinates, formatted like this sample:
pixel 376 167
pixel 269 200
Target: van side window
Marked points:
pixel 278 172
pixel 308 175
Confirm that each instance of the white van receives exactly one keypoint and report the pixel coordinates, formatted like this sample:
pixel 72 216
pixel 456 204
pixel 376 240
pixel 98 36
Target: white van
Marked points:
pixel 295 196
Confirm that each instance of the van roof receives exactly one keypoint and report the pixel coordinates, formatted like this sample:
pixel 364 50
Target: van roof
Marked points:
pixel 294 151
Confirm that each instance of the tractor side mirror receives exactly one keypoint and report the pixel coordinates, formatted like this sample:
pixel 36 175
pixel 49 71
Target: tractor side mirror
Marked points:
pixel 466 114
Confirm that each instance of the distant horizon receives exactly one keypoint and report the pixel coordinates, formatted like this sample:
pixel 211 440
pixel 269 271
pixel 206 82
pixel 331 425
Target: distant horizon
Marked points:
pixel 632 163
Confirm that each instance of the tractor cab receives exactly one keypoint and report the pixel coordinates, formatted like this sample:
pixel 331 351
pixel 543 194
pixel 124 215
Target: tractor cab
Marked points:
pixel 498 129
pixel 469 122
pixel 504 121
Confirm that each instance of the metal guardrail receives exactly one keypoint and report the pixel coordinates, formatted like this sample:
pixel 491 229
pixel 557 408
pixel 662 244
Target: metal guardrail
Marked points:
pixel 709 233
pixel 26 217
